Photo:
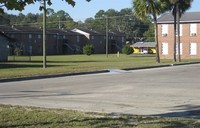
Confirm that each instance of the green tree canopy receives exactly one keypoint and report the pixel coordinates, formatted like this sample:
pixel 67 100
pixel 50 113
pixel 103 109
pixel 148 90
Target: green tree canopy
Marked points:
pixel 144 8
pixel 20 4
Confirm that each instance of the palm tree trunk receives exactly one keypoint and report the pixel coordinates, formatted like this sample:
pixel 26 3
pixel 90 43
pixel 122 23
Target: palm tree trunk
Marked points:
pixel 156 39
pixel 178 24
pixel 175 34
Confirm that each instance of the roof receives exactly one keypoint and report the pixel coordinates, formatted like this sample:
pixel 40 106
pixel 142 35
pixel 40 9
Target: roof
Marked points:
pixel 63 31
pixel 16 29
pixel 113 33
pixel 27 29
pixel 5 36
pixel 144 44
pixel 90 32
pixel 101 33
pixel 187 17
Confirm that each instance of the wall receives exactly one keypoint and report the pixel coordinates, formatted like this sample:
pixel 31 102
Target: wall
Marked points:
pixel 185 39
pixel 3 49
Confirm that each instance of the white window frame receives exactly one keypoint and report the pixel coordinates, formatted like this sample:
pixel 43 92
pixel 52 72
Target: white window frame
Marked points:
pixel 193 48
pixel 78 39
pixel 123 39
pixel 181 48
pixel 92 37
pixel 181 30
pixel 164 29
pixel 30 36
pixel 165 48
pixel 39 36
pixel 193 29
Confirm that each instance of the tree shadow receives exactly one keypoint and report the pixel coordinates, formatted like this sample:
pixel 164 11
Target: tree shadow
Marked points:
pixel 183 111
pixel 28 65
pixel 37 94
pixel 38 64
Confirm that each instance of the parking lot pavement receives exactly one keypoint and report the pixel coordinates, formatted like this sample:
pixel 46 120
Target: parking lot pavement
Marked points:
pixel 170 91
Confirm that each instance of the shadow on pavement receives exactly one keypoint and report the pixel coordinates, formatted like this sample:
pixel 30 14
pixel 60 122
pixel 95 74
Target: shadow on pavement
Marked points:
pixel 183 111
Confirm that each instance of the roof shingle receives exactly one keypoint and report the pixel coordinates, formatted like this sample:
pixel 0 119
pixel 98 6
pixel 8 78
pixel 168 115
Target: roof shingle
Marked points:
pixel 187 17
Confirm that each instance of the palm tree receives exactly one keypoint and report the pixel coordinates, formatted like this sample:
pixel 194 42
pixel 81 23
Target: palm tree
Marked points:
pixel 178 7
pixel 143 8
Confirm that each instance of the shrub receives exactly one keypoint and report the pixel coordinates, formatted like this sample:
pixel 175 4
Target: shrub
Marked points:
pixel 88 49
pixel 150 51
pixel 127 50
pixel 17 51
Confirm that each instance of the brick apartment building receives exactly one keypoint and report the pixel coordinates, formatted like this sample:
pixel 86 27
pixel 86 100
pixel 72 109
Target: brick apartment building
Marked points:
pixel 30 41
pixel 60 41
pixel 4 41
pixel 189 35
pixel 116 40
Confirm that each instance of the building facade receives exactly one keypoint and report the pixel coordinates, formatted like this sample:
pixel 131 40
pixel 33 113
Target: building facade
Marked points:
pixel 4 41
pixel 61 41
pixel 116 40
pixel 144 47
pixel 189 36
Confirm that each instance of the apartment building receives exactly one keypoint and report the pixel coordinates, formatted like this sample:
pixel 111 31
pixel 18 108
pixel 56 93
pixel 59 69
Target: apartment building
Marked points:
pixel 189 35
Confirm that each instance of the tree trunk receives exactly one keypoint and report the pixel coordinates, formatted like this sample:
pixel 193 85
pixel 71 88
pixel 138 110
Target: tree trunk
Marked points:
pixel 178 27
pixel 156 39
pixel 175 33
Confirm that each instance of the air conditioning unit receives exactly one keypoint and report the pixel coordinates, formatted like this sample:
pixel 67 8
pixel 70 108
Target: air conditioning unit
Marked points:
pixel 193 34
pixel 164 34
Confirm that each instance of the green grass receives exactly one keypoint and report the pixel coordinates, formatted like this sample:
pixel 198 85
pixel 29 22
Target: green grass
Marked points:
pixel 73 63
pixel 29 117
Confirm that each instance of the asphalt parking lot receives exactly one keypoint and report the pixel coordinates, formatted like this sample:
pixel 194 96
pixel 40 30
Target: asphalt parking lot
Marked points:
pixel 169 91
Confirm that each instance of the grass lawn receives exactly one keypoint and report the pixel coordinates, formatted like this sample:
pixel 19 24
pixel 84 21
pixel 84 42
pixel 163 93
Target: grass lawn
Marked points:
pixel 74 63
pixel 29 117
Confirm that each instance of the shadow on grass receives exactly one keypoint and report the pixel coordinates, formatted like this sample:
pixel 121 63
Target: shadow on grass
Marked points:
pixel 143 56
pixel 38 64
pixel 99 122
pixel 83 61
pixel 28 65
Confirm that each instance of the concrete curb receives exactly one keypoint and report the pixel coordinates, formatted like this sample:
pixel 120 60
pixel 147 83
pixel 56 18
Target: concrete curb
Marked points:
pixel 50 76
pixel 159 66
pixel 89 72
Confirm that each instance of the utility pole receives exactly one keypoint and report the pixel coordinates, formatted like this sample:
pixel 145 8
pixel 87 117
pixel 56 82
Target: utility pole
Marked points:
pixel 106 36
pixel 59 26
pixel 44 33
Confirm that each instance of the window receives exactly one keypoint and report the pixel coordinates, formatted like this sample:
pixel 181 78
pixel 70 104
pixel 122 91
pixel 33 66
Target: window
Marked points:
pixel 181 30
pixel 122 39
pixel 165 48
pixel 29 36
pixel 164 29
pixel 181 51
pixel 92 37
pixel 193 29
pixel 77 39
pixel 193 48
pixel 39 36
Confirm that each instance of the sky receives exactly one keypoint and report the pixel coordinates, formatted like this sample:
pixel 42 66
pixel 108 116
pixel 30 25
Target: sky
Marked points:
pixel 84 10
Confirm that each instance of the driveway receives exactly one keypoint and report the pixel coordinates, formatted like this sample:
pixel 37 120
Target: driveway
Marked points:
pixel 171 91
